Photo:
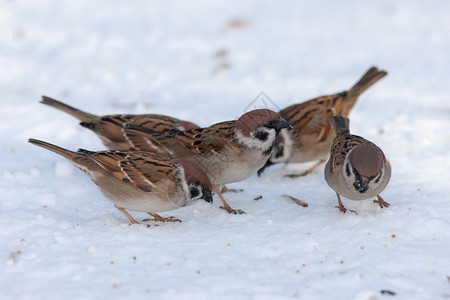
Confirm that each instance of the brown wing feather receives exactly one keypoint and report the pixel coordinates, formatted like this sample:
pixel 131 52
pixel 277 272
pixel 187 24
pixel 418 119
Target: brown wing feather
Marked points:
pixel 139 141
pixel 200 141
pixel 143 170
pixel 311 119
pixel 111 130
pixel 160 123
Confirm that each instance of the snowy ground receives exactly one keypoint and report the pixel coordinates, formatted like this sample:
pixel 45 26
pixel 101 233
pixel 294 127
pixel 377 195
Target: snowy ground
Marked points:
pixel 61 239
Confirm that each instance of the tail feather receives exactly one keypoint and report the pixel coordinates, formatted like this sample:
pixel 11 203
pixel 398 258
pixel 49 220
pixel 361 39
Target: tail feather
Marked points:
pixel 368 79
pixel 56 149
pixel 81 159
pixel 80 115
pixel 340 124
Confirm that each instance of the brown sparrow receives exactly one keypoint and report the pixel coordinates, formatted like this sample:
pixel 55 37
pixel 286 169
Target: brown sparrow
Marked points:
pixel 357 169
pixel 139 181
pixel 110 127
pixel 311 136
pixel 228 151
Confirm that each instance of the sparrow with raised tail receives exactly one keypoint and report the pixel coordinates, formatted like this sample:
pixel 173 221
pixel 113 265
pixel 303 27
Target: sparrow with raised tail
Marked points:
pixel 311 136
pixel 110 127
pixel 227 152
pixel 139 181
pixel 357 169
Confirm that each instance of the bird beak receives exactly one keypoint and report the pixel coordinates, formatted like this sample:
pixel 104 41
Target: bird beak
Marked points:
pixel 207 196
pixel 283 124
pixel 362 185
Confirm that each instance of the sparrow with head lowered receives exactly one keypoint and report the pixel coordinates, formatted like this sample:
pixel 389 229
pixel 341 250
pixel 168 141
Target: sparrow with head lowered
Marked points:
pixel 227 152
pixel 311 135
pixel 109 128
pixel 357 169
pixel 139 181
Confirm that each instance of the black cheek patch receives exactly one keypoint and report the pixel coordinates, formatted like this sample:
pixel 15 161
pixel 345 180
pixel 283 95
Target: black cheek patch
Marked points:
pixel 279 152
pixel 194 192
pixel 268 151
pixel 262 135
pixel 347 170
pixel 379 177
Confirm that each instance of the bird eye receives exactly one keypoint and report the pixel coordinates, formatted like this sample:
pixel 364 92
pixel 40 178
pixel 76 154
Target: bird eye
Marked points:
pixel 272 124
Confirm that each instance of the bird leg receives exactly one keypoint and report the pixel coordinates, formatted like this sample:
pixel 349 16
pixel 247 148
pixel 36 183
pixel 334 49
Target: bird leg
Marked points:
pixel 122 210
pixel 341 206
pixel 227 190
pixel 381 202
pixel 309 171
pixel 158 218
pixel 228 208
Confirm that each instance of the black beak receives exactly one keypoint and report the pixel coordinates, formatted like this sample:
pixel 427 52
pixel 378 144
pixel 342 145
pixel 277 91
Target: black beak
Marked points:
pixel 283 124
pixel 207 196
pixel 361 185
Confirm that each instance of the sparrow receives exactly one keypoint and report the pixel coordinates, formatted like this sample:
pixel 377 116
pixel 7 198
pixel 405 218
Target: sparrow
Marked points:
pixel 139 181
pixel 227 152
pixel 311 136
pixel 357 169
pixel 109 128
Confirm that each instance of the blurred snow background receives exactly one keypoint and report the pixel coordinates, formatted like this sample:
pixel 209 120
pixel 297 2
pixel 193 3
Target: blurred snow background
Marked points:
pixel 206 61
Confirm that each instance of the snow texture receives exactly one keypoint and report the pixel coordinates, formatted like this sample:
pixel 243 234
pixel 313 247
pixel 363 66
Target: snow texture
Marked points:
pixel 206 61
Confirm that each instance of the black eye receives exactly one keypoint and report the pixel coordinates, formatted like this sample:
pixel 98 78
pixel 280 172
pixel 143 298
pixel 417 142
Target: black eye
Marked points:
pixel 261 135
pixel 272 124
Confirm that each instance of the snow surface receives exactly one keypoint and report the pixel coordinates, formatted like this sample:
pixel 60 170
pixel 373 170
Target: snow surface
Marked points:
pixel 206 61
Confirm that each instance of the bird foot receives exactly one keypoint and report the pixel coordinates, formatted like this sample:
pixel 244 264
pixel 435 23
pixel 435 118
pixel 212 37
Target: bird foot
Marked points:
pixel 344 210
pixel 381 202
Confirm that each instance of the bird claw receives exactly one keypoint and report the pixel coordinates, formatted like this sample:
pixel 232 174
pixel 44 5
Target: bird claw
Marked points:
pixel 381 202
pixel 344 210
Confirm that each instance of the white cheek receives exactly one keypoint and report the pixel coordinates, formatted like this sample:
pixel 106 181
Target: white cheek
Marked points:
pixel 270 138
pixel 373 187
pixel 181 180
pixel 200 194
pixel 285 147
pixel 349 180
pixel 288 142
pixel 255 143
